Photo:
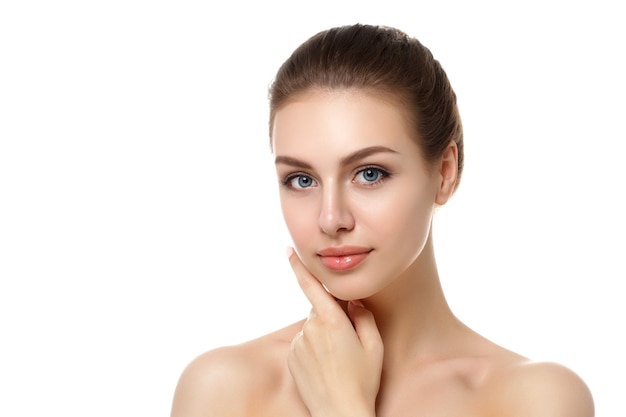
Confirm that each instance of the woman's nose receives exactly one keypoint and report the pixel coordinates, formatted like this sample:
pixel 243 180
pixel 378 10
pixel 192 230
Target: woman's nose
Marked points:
pixel 335 214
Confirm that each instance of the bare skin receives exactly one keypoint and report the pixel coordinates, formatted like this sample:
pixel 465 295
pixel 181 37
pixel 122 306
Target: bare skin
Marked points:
pixel 468 376
pixel 398 350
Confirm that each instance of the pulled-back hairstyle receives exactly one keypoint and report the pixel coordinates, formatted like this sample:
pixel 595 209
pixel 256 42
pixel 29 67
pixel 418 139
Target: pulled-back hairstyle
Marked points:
pixel 384 61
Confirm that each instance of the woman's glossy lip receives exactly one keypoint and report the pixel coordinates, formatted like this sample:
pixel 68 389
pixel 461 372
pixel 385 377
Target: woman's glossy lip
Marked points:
pixel 344 257
pixel 343 251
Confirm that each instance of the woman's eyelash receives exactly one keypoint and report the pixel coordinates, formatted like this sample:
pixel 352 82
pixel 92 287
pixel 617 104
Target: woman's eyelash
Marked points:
pixel 379 173
pixel 287 181
pixel 371 175
pixel 288 178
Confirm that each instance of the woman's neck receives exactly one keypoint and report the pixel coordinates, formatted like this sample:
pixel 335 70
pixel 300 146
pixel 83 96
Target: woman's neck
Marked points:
pixel 413 316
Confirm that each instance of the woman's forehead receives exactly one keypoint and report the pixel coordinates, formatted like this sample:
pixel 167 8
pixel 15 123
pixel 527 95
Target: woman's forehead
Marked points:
pixel 318 117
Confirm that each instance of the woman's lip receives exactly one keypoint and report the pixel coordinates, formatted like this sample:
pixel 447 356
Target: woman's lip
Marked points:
pixel 344 258
pixel 344 251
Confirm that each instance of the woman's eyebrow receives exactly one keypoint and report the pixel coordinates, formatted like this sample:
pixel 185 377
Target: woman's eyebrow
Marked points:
pixel 346 160
pixel 364 153
pixel 288 160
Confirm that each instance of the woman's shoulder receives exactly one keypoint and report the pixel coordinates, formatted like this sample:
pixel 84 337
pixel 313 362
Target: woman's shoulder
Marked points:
pixel 525 387
pixel 229 380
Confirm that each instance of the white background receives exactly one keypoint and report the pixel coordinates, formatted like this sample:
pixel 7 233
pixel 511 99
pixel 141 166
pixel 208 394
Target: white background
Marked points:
pixel 139 224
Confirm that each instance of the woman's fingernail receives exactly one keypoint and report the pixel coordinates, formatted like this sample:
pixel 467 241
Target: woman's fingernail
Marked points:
pixel 357 303
pixel 289 251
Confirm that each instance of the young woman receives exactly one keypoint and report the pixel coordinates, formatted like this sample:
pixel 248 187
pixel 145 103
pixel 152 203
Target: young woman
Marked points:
pixel 368 142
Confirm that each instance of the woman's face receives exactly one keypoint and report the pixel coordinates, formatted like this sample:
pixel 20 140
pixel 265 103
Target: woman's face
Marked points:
pixel 356 194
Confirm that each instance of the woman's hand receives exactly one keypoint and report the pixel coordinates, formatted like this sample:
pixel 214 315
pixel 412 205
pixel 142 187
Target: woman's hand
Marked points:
pixel 336 360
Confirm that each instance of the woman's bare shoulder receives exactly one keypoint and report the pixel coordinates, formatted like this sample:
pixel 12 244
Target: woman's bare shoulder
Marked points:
pixel 228 380
pixel 530 388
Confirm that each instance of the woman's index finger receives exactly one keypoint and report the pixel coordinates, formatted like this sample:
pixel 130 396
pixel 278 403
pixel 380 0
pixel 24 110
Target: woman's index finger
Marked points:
pixel 314 291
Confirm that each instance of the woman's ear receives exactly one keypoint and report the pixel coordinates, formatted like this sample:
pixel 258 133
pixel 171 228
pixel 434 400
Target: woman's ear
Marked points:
pixel 448 173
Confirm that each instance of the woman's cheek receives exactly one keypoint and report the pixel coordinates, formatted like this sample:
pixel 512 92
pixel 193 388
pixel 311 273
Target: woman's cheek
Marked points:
pixel 301 222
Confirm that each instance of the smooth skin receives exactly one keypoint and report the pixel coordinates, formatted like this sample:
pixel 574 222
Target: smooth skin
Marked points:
pixel 381 339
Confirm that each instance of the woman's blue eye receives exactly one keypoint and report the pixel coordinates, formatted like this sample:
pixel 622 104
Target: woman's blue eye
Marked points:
pixel 369 175
pixel 301 181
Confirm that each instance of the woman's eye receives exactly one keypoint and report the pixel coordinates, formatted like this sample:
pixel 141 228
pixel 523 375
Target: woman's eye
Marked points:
pixel 370 175
pixel 300 181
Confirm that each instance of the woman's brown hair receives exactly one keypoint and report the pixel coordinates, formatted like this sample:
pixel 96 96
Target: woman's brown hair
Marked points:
pixel 384 61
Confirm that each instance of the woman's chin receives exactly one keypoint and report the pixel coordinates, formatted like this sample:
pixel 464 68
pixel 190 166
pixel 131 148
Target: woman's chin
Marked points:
pixel 345 293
